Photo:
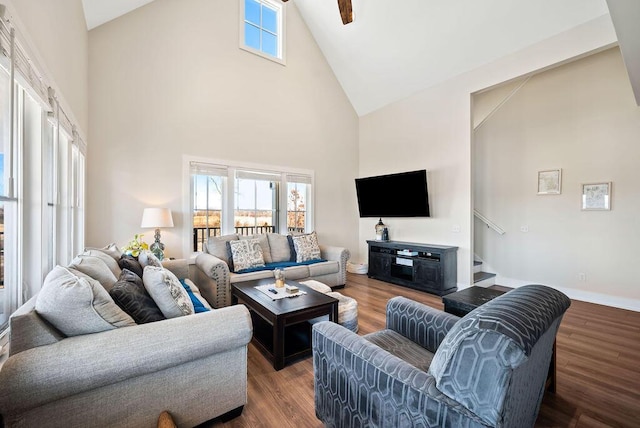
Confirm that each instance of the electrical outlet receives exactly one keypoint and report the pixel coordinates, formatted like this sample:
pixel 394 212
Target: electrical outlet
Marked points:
pixel 582 277
pixel 524 229
pixel 455 228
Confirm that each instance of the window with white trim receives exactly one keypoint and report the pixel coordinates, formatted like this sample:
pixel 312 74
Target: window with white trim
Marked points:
pixel 298 193
pixel 41 179
pixel 262 28
pixel 228 199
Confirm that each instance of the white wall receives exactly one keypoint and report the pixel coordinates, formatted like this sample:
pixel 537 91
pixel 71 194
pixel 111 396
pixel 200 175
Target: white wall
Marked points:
pixel 169 80
pixel 432 130
pixel 57 40
pixel 580 117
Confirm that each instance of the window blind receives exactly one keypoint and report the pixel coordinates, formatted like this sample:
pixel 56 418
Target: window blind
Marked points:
pixel 255 175
pixel 200 168
pixel 296 178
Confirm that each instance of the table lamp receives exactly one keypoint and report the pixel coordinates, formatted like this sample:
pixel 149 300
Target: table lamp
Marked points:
pixel 157 217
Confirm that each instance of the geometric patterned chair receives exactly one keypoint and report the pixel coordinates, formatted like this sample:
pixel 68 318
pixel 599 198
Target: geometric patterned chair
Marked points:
pixel 433 369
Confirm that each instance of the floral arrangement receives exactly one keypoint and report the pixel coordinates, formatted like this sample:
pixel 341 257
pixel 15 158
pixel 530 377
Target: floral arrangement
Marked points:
pixel 135 246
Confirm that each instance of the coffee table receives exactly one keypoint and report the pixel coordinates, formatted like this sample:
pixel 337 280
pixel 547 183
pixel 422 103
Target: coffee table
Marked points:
pixel 280 328
pixel 463 302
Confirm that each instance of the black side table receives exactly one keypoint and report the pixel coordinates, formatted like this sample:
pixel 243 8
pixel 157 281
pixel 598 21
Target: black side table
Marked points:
pixel 462 302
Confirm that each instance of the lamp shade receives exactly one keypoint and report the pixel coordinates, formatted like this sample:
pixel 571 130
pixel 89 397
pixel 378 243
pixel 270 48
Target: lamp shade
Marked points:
pixel 157 217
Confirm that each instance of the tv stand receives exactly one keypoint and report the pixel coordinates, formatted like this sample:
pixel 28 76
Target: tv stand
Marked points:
pixel 425 267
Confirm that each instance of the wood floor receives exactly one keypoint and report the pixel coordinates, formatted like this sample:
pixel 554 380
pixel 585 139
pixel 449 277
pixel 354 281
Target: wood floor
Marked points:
pixel 598 367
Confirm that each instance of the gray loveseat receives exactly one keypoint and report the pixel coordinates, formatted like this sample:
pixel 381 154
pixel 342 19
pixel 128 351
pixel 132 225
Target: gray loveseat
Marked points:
pixel 193 366
pixel 430 368
pixel 213 274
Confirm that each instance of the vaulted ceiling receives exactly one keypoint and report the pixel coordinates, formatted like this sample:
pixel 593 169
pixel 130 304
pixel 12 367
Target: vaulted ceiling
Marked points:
pixel 393 49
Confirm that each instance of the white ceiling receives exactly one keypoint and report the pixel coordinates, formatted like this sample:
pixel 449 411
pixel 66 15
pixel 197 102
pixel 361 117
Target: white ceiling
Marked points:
pixel 97 12
pixel 394 49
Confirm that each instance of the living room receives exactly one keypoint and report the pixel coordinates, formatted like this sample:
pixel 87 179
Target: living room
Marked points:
pixel 167 83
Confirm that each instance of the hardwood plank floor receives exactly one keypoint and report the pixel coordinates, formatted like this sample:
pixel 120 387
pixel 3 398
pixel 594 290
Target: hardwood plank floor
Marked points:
pixel 598 375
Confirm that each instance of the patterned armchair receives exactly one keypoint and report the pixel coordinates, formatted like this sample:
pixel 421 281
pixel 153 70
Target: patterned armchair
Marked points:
pixel 432 369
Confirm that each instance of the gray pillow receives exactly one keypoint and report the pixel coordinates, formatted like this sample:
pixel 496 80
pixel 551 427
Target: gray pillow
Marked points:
pixel 279 245
pixel 110 250
pixel 264 244
pixel 217 246
pixel 77 306
pixel 111 263
pixel 165 289
pixel 95 268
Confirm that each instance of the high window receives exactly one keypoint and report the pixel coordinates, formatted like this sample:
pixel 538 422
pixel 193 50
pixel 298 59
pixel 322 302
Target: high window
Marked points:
pixel 262 28
pixel 227 198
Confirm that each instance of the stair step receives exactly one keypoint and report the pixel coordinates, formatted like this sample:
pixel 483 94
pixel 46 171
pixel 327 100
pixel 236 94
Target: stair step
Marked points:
pixel 477 266
pixel 484 279
pixel 477 262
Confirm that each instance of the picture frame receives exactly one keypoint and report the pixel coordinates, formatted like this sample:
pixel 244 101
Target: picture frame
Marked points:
pixel 596 196
pixel 550 182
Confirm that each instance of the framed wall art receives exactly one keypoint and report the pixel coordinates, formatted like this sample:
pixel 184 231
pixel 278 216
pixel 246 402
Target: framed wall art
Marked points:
pixel 596 196
pixel 550 182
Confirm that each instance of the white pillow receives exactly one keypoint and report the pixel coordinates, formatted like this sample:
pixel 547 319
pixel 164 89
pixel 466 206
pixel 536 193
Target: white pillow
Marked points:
pixel 147 258
pixel 78 305
pixel 111 263
pixel 165 289
pixel 246 254
pixel 306 247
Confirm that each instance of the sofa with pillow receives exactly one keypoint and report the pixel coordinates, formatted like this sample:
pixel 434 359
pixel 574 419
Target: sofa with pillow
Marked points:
pixel 115 341
pixel 235 258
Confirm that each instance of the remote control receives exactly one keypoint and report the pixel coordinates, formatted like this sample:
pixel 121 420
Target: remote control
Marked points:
pixel 273 291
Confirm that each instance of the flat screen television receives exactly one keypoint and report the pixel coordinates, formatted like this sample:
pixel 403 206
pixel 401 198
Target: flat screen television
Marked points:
pixel 394 195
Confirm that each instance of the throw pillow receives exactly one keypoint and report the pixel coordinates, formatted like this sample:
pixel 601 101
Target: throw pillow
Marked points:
pixel 107 259
pixel 217 246
pixel 130 263
pixel 129 293
pixel 306 247
pixel 279 245
pixel 110 250
pixel 165 289
pixel 77 306
pixel 246 254
pixel 264 244
pixel 95 268
pixel 198 305
pixel 147 258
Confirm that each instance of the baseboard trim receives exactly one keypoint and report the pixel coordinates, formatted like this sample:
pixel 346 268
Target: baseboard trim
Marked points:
pixel 582 295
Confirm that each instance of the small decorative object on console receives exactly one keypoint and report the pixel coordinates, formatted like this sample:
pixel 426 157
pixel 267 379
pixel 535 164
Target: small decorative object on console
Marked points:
pixel 380 227
pixel 135 246
pixel 279 275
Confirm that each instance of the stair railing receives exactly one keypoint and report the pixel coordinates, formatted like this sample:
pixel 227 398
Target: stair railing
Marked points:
pixel 488 222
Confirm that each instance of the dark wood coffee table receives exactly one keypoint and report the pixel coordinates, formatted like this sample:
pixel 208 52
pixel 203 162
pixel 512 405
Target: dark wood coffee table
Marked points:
pixel 463 302
pixel 280 328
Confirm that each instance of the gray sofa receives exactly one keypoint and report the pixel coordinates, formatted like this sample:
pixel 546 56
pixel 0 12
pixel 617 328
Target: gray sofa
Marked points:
pixel 212 273
pixel 430 368
pixel 193 366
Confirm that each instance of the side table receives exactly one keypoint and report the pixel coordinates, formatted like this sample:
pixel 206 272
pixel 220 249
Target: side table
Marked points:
pixel 462 302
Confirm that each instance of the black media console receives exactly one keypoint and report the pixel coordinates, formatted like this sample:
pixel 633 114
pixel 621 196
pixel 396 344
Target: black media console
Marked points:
pixel 430 268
